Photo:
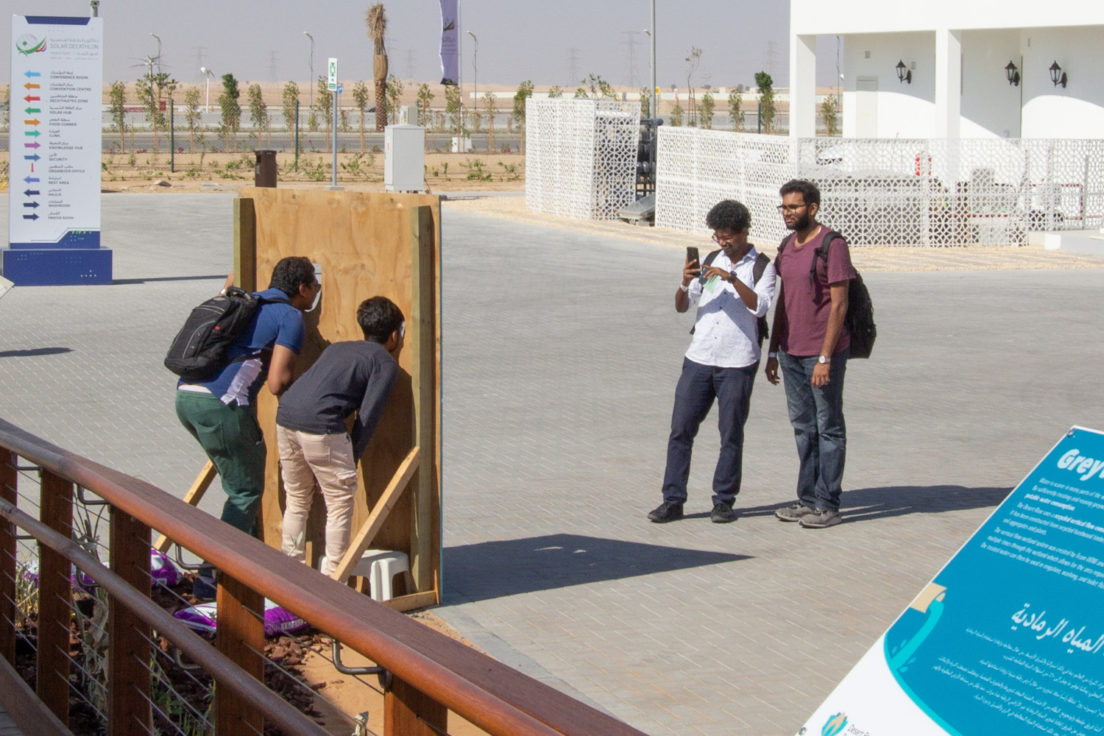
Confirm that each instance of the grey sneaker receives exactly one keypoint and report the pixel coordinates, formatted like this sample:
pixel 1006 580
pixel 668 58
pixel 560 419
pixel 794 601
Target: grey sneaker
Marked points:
pixel 794 512
pixel 665 512
pixel 821 519
pixel 722 514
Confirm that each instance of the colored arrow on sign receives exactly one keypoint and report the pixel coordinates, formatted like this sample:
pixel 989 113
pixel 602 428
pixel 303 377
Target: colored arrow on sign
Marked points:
pixel 32 144
pixel 32 133
pixel 29 74
pixel 32 121
pixel 32 216
pixel 33 157
pixel 31 192
pixel 32 98
pixel 32 85
pixel 32 110
pixel 33 205
pixel 31 179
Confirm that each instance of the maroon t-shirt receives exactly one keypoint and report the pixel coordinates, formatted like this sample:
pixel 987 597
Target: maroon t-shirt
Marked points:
pixel 809 301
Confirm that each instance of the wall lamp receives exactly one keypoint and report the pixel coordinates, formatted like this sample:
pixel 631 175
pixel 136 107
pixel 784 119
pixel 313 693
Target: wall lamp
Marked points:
pixel 1057 76
pixel 903 73
pixel 1013 74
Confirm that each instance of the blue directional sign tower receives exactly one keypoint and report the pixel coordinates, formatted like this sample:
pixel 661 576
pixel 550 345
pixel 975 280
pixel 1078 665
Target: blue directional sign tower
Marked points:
pixel 54 144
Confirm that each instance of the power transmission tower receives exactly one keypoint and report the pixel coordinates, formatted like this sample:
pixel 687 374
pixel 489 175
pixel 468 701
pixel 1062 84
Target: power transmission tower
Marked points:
pixel 199 50
pixel 630 41
pixel 573 65
pixel 772 55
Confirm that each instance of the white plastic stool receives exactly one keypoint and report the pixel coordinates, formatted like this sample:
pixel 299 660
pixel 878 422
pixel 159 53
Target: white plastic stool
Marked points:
pixel 381 566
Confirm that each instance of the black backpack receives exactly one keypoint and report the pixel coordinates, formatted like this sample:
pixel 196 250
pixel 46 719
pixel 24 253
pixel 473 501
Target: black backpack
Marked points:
pixel 860 309
pixel 198 351
pixel 762 329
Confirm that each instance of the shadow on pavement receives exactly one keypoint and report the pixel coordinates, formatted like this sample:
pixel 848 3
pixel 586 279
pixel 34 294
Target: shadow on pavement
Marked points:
pixel 127 282
pixel 868 504
pixel 495 569
pixel 33 351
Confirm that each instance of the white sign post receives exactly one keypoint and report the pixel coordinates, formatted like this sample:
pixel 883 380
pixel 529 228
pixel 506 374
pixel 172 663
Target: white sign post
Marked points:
pixel 335 90
pixel 55 147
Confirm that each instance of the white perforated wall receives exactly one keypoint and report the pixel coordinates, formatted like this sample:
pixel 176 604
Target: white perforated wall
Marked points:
pixel 887 191
pixel 580 157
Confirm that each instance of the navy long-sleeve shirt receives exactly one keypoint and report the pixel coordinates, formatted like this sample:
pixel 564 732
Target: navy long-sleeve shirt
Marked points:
pixel 348 376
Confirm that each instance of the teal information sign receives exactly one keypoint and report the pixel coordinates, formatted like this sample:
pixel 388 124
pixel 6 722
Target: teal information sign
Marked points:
pixel 1009 637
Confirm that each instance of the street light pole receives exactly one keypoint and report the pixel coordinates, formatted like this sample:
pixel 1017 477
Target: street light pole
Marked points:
pixel 207 75
pixel 652 36
pixel 310 81
pixel 475 71
pixel 158 51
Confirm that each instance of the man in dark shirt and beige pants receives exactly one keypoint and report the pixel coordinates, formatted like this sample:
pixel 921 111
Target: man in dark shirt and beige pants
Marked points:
pixel 310 425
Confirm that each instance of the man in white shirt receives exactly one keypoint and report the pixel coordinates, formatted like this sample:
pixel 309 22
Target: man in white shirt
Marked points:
pixel 721 361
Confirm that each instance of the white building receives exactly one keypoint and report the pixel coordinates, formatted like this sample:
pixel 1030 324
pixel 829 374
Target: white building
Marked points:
pixel 971 68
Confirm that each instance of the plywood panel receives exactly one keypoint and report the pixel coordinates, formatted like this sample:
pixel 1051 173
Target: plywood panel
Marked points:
pixel 366 244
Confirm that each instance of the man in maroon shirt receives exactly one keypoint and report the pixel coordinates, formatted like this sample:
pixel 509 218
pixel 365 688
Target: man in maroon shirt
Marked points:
pixel 810 343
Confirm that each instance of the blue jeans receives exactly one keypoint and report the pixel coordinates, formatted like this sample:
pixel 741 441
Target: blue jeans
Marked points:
pixel 697 388
pixel 821 435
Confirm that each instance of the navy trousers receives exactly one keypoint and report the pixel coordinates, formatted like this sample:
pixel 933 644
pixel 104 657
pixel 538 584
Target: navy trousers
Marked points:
pixel 698 387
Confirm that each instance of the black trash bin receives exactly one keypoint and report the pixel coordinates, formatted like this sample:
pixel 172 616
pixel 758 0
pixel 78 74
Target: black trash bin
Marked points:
pixel 264 172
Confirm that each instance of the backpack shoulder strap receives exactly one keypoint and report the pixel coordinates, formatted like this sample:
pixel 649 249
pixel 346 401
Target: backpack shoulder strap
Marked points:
pixel 822 252
pixel 710 258
pixel 760 266
pixel 270 300
pixel 782 245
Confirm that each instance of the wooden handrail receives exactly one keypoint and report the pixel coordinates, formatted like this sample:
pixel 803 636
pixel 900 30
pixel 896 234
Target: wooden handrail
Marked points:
pixel 494 697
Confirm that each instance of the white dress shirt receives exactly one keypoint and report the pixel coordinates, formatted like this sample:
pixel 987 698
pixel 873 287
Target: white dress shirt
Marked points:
pixel 724 329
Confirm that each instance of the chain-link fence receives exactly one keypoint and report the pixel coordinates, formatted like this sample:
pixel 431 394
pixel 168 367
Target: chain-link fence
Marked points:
pixel 580 157
pixel 918 192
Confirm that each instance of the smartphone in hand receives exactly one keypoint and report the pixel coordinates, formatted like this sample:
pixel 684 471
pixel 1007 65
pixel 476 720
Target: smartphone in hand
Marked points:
pixel 692 255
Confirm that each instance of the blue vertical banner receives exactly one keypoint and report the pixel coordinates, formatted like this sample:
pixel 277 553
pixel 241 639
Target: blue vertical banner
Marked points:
pixel 450 41
pixel 55 140
pixel 1008 638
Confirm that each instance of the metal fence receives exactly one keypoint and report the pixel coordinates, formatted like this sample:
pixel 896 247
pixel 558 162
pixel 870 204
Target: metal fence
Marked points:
pixel 895 192
pixel 580 157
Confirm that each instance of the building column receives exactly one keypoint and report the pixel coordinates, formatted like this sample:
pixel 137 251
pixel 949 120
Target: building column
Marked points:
pixel 948 83
pixel 802 86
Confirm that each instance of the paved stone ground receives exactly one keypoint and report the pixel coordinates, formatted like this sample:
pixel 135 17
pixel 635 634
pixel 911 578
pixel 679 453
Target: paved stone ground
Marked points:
pixel 561 352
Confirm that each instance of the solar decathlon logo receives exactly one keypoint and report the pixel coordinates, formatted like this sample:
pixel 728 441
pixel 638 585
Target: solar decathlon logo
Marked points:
pixel 834 725
pixel 28 44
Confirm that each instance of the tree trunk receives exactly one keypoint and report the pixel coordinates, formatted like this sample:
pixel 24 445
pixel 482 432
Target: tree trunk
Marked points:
pixel 379 73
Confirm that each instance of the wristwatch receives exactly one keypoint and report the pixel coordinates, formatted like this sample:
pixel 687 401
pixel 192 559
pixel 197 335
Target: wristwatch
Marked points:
pixel 731 278
pixel 823 360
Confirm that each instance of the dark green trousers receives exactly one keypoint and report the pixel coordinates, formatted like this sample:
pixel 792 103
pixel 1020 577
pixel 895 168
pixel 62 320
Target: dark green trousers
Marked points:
pixel 233 441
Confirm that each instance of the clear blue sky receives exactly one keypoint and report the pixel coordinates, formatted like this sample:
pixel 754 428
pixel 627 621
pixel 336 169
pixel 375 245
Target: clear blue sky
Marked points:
pixel 548 42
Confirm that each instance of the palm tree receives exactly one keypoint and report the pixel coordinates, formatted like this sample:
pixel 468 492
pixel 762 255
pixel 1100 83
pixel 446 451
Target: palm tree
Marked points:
pixel 377 26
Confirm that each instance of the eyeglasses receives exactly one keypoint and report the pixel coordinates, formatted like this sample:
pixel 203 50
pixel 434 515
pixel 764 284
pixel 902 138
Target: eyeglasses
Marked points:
pixel 726 239
pixel 790 207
